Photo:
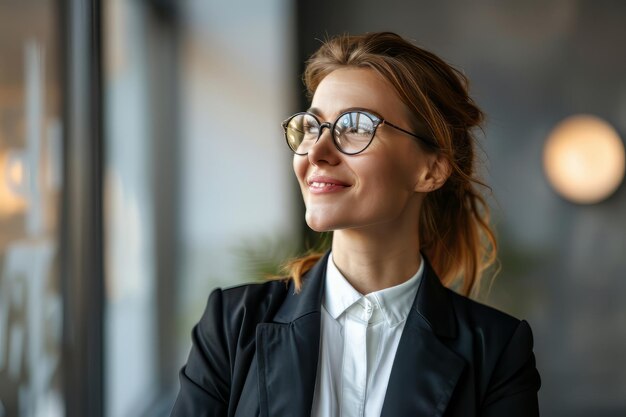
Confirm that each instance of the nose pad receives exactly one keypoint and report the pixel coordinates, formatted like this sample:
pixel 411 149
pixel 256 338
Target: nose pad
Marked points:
pixel 322 126
pixel 323 149
pixel 321 133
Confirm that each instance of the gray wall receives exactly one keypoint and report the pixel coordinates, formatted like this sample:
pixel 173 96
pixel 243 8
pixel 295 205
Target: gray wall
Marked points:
pixel 531 64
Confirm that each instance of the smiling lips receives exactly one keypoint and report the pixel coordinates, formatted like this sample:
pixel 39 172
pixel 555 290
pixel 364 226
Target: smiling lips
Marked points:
pixel 323 185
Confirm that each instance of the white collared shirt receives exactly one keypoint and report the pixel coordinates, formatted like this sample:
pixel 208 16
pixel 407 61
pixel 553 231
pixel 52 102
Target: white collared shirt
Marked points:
pixel 359 338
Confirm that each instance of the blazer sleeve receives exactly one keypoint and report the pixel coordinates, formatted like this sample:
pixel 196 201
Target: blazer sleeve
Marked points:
pixel 512 391
pixel 205 379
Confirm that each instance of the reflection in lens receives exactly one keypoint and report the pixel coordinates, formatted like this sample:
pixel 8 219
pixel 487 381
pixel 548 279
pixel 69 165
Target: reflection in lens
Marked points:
pixel 310 128
pixel 294 132
pixel 302 132
pixel 354 131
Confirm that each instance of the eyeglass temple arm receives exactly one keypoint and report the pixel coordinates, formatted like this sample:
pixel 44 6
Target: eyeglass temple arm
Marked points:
pixel 428 142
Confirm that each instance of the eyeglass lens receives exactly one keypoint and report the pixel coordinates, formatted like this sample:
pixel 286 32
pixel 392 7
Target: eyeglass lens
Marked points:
pixel 352 133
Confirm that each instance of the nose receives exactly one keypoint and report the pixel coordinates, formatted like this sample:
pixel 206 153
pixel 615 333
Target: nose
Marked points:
pixel 324 150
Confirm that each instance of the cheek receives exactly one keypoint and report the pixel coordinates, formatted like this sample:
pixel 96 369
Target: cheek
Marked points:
pixel 387 177
pixel 300 166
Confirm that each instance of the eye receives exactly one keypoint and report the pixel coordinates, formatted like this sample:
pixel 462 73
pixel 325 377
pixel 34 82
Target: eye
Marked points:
pixel 306 127
pixel 355 124
pixel 310 128
pixel 359 130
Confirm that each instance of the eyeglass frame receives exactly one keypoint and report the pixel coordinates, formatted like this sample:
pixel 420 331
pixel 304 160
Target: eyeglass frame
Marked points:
pixel 377 121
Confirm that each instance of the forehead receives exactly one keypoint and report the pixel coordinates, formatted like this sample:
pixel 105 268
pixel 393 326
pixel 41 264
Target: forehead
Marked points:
pixel 347 88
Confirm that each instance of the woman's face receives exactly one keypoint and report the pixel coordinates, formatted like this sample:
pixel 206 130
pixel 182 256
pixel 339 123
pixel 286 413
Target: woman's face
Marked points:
pixel 384 184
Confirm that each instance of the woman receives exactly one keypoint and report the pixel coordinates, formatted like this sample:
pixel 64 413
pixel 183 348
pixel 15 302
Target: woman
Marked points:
pixel 385 159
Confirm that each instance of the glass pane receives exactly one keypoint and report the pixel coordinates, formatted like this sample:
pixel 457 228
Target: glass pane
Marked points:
pixel 130 307
pixel 30 185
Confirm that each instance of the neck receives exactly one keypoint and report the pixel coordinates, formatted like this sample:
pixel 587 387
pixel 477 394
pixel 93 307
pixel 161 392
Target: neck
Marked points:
pixel 376 258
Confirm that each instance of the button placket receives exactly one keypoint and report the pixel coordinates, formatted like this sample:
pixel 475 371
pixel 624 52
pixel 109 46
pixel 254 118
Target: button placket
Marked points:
pixel 355 361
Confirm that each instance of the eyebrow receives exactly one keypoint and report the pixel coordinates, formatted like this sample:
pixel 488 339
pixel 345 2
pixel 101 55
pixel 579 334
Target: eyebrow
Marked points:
pixel 314 110
pixel 318 112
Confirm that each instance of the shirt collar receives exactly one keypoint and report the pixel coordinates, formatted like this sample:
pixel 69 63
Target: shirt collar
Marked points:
pixel 395 302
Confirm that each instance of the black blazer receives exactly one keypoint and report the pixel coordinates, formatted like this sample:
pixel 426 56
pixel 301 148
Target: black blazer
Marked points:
pixel 255 353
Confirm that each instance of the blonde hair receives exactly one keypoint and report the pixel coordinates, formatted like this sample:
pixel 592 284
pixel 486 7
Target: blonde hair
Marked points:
pixel 454 228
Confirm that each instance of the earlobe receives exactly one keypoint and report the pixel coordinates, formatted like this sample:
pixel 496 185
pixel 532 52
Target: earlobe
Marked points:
pixel 434 175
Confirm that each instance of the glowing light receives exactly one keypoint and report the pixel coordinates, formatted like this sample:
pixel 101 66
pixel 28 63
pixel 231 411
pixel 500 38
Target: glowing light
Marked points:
pixel 15 172
pixel 11 179
pixel 584 159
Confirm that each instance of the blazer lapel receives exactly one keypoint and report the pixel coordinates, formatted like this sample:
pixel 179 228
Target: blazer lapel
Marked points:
pixel 423 376
pixel 287 350
pixel 425 371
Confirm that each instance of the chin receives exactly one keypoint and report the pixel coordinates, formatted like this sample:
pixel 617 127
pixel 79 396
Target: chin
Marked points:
pixel 320 223
pixel 326 223
pixel 319 227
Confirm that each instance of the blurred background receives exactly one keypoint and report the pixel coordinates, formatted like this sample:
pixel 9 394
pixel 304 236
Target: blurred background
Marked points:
pixel 142 164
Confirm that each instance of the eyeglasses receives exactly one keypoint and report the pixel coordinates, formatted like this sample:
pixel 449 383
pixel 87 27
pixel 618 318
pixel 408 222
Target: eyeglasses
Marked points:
pixel 352 132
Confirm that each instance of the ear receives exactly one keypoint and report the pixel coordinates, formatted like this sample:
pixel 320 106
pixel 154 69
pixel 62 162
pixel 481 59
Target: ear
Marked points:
pixel 436 171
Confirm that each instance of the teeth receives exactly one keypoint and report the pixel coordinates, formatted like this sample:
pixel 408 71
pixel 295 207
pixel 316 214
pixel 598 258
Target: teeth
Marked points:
pixel 321 184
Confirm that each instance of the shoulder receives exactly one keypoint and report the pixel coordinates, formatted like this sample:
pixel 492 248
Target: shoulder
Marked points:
pixel 497 343
pixel 489 335
pixel 223 344
pixel 502 355
pixel 255 297
pixel 252 302
pixel 488 321
pixel 231 315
